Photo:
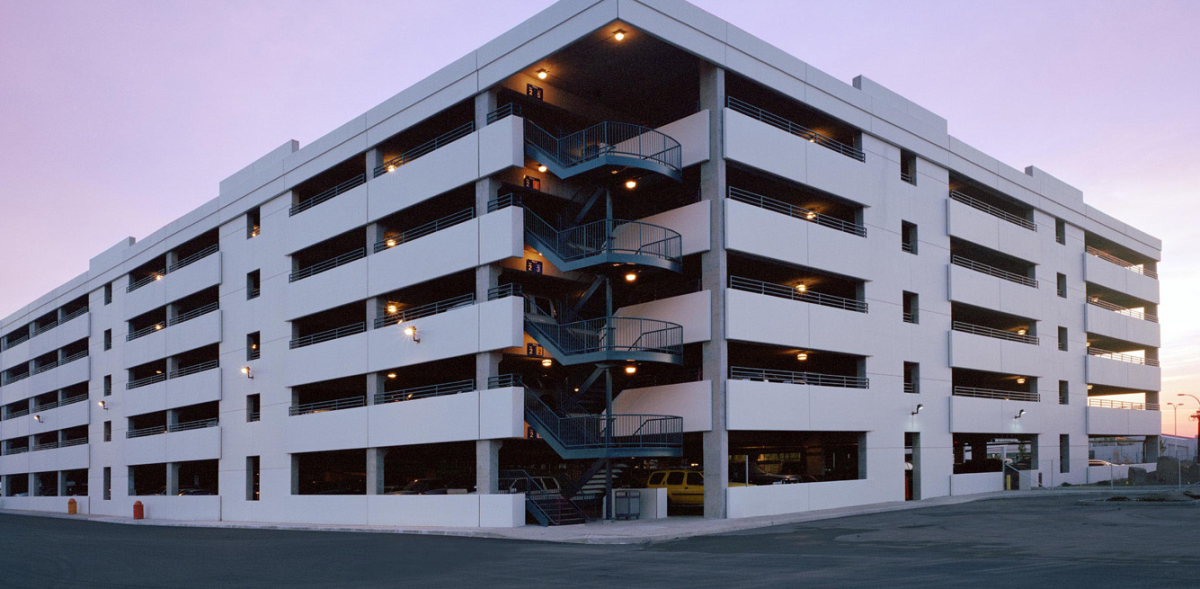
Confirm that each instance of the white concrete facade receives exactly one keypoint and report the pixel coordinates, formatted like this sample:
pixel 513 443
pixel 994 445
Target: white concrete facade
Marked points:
pixel 169 318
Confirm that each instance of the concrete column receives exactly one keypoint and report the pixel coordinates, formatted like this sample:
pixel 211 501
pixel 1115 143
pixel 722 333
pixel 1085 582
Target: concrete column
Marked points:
pixel 172 365
pixel 130 487
pixel 375 470
pixel 485 102
pixel 374 386
pixel 375 310
pixel 374 160
pixel 62 483
pixel 172 479
pixel 1151 450
pixel 487 365
pixel 372 237
pixel 487 466
pixel 172 313
pixel 715 275
pixel 172 257
pixel 172 418
pixel 295 472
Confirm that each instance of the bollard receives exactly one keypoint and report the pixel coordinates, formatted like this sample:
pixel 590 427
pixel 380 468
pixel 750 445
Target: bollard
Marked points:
pixel 139 512
pixel 72 507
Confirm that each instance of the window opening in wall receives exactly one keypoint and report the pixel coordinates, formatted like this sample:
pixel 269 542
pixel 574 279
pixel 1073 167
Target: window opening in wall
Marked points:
pixel 253 351
pixel 1064 453
pixel 1064 392
pixel 107 483
pixel 253 223
pixel 1062 285
pixel 1060 231
pixel 911 308
pixel 107 339
pixel 108 385
pixel 108 431
pixel 908 166
pixel 108 290
pixel 908 237
pixel 253 284
pixel 1062 338
pixel 253 407
pixel 912 377
pixel 252 478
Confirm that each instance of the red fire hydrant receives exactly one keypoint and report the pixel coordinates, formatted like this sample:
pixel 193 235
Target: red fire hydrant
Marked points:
pixel 72 507
pixel 139 512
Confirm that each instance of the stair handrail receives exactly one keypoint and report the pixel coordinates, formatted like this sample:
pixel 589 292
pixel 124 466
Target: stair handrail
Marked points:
pixel 531 503
pixel 608 137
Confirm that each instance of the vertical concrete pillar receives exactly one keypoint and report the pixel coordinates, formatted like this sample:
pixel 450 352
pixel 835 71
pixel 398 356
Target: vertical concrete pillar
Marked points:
pixel 172 479
pixel 373 236
pixel 487 365
pixel 715 275
pixel 131 486
pixel 1152 449
pixel 487 466
pixel 374 386
pixel 375 470
pixel 374 160
pixel 34 488
pixel 172 257
pixel 295 473
pixel 485 102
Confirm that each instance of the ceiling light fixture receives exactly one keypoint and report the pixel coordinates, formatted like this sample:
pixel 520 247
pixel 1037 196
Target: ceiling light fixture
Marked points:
pixel 391 375
pixel 542 168
pixel 801 288
pixel 631 184
pixel 542 74
pixel 631 277
pixel 631 370
pixel 547 362
pixel 619 35
pixel 802 356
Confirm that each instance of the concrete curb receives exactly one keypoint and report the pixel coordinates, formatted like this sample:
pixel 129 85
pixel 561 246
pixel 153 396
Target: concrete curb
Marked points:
pixel 605 533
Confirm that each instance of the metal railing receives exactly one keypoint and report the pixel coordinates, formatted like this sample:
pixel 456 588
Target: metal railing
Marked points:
pixel 613 334
pixel 781 207
pixel 194 313
pixel 993 211
pixel 801 378
pixel 511 289
pixel 146 381
pixel 908 246
pixel 1123 405
pixel 658 291
pixel 605 139
pixel 74 442
pixel 787 292
pixel 73 357
pixel 996 394
pixel 508 110
pixel 425 310
pixel 1139 268
pixel 192 259
pixel 46 446
pixel 73 400
pixel 420 231
pixel 910 178
pixel 546 507
pixel 910 388
pixel 970 264
pixel 16 414
pixel 1122 310
pixel 45 406
pixel 40 329
pixel 254 416
pixel 425 148
pixel 194 368
pixel 801 131
pixel 328 335
pixel 325 195
pixel 1121 357
pixel 8 343
pixel 503 201
pixel 155 275
pixel 910 317
pixel 677 376
pixel 191 425
pixel 324 406
pixel 611 236
pixel 253 293
pixel 624 431
pixel 503 381
pixel 254 354
pixel 146 431
pixel 319 267
pixel 46 366
pixel 145 331
pixel 1011 336
pixel 73 314
pixel 422 392
pixel 9 379
pixel 17 450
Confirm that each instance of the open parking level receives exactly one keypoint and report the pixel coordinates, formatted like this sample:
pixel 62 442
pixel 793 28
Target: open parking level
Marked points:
pixel 943 545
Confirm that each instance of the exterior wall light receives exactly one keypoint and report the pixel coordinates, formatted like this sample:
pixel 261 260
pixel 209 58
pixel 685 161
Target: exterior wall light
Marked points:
pixel 619 35
pixel 802 356
pixel 1089 387
pixel 411 331
pixel 542 168
pixel 918 409
pixel 631 370
pixel 547 362
pixel 102 405
pixel 246 371
pixel 542 74
pixel 1019 414
pixel 631 184
pixel 631 277
pixel 37 418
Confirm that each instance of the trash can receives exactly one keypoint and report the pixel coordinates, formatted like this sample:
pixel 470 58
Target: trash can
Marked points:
pixel 627 504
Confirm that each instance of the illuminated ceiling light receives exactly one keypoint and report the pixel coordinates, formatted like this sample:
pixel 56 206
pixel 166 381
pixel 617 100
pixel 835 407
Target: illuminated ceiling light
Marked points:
pixel 1089 387
pixel 1020 380
pixel 253 346
pixel 158 276
pixel 631 184
pixel 810 215
pixel 392 308
pixel 547 362
pixel 542 73
pixel 1021 332
pixel 157 372
pixel 391 168
pixel 619 35
pixel 391 243
pixel 391 375
pixel 801 288
pixel 802 356
pixel 631 370
pixel 542 168
pixel 157 326
pixel 631 277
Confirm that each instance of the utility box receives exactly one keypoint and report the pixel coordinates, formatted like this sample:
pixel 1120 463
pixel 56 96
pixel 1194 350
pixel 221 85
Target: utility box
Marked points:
pixel 627 504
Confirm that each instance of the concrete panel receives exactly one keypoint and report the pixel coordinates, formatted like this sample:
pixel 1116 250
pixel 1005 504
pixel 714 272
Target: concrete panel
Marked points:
pixel 327 360
pixel 201 387
pixel 1111 421
pixel 423 510
pixel 197 444
pixel 430 175
pixel 767 319
pixel 692 224
pixel 46 504
pixel 501 146
pixel 1109 323
pixel 501 324
pixel 767 406
pixel 69 458
pixel 1127 375
pixel 502 414
pixel 446 335
pixel 970 415
pixel 329 219
pixel 504 511
pixel 692 134
pixel 693 311
pixel 979 352
pixel 502 235
pixel 330 430
pixel 448 418
pixel 690 400
pixel 187 508
pixel 432 256
pixel 980 228
pixel 341 285
pixel 989 292
pixel 763 233
pixel 975 483
pixel 1119 278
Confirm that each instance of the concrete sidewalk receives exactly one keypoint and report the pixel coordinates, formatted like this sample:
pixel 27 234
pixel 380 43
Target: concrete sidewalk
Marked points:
pixel 599 532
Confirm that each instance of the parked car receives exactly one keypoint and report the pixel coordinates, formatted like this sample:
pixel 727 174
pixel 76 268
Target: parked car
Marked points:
pixel 548 483
pixel 684 487
pixel 1095 462
pixel 195 491
pixel 737 474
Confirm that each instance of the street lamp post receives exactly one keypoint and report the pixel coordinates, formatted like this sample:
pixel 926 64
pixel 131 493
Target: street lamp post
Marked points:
pixel 1175 426
pixel 1195 416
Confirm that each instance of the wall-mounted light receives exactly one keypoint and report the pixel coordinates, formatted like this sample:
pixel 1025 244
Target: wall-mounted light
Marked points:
pixel 802 356
pixel 102 405
pixel 1019 414
pixel 1020 380
pixel 542 74
pixel 619 35
pixel 411 331
pixel 631 369
pixel 918 409
pixel 542 168
pixel 631 277
pixel 631 184
pixel 547 363
pixel 246 371
pixel 37 418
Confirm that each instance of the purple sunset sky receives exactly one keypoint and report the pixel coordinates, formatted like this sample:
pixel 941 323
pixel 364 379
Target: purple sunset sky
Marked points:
pixel 119 117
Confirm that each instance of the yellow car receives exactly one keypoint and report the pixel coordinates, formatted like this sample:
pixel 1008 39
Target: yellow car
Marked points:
pixel 684 487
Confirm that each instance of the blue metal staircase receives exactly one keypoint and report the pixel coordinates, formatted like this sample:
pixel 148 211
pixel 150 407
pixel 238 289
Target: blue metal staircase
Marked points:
pixel 605 436
pixel 605 242
pixel 605 339
pixel 605 144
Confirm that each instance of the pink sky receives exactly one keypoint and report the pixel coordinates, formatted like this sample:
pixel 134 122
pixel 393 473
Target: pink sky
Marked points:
pixel 119 117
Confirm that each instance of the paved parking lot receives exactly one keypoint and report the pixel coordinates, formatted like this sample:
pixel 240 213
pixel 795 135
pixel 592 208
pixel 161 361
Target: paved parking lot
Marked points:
pixel 1029 542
